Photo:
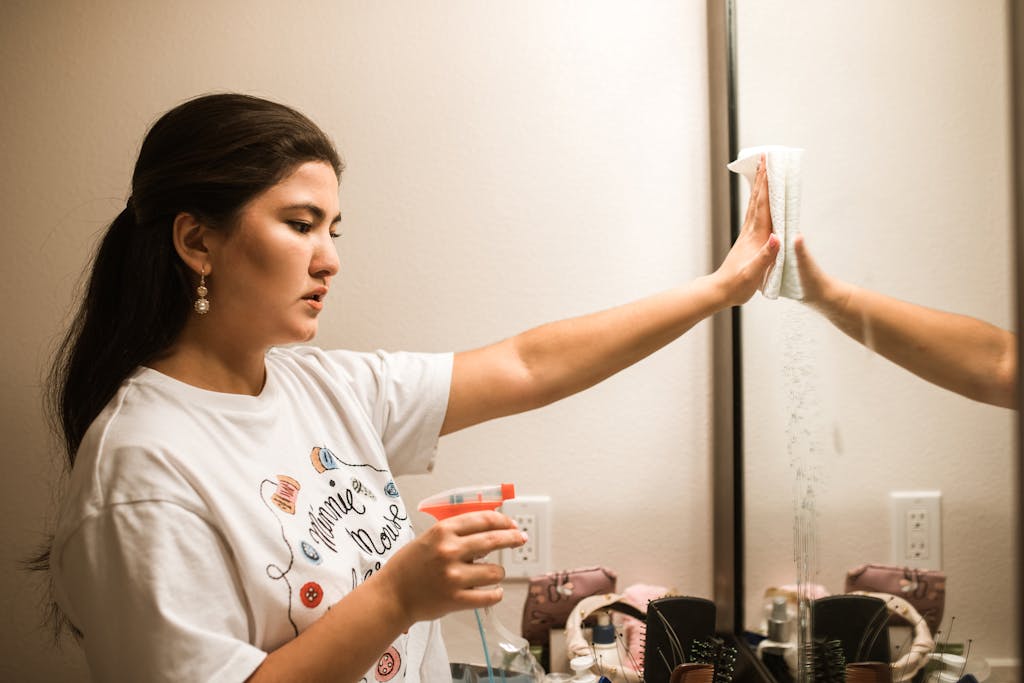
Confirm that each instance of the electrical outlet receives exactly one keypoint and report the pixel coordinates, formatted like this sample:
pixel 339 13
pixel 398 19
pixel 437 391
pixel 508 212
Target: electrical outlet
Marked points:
pixel 533 515
pixel 916 528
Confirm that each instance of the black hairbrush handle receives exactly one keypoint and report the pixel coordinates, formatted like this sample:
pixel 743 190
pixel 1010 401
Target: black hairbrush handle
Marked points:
pixel 672 625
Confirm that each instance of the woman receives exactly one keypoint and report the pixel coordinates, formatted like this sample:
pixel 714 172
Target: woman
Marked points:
pixel 232 513
pixel 963 354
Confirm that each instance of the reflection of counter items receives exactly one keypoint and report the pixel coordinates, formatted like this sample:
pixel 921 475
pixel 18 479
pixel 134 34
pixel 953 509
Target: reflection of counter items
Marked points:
pixel 323 459
pixel 287 493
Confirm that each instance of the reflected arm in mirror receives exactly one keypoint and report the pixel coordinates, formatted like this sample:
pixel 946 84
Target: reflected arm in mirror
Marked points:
pixel 971 357
pixel 553 361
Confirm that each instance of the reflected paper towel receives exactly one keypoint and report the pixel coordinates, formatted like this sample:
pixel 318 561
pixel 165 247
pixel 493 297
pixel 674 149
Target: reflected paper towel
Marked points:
pixel 784 182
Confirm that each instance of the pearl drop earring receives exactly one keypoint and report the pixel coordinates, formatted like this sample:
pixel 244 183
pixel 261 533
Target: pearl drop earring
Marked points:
pixel 202 304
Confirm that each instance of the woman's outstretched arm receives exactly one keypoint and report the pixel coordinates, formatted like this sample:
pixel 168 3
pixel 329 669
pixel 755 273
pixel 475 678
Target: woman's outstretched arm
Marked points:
pixel 553 361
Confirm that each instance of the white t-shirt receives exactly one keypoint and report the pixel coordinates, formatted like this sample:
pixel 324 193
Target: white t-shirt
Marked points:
pixel 202 530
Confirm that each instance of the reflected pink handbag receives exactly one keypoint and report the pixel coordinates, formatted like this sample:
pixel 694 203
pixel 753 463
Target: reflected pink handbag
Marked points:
pixel 925 589
pixel 551 597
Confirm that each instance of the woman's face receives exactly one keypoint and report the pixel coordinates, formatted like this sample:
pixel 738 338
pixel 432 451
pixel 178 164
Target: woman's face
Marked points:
pixel 270 273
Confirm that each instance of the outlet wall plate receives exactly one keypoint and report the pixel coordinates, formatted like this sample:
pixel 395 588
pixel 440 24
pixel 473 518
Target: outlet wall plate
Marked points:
pixel 916 529
pixel 533 515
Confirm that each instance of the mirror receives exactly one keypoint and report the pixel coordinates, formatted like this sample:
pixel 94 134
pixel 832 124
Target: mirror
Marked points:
pixel 903 110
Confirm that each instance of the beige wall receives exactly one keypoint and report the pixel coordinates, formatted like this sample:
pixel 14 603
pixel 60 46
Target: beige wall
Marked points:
pixel 903 111
pixel 508 164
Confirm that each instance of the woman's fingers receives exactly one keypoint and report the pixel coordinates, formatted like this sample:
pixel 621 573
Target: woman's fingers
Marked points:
pixel 482 574
pixel 807 269
pixel 760 184
pixel 476 522
pixel 819 288
pixel 481 533
pixel 485 542
pixel 801 249
pixel 760 223
pixel 480 597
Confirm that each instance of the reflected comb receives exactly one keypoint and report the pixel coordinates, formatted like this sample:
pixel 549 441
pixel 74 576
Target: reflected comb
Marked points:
pixel 827 662
pixel 715 653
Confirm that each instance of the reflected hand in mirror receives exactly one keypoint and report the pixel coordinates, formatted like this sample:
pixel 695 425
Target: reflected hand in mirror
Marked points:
pixel 957 352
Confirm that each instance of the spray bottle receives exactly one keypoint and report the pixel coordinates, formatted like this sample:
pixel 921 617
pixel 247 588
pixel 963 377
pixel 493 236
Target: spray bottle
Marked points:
pixel 507 656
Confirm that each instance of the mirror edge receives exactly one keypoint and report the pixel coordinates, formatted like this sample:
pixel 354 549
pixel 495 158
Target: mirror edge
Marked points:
pixel 727 436
pixel 727 532
pixel 1016 49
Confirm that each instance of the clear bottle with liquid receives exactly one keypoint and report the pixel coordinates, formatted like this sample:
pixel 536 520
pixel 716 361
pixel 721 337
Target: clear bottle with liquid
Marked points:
pixel 510 659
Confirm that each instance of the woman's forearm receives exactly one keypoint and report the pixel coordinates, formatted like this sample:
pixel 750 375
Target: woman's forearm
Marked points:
pixel 341 645
pixel 566 357
pixel 436 573
pixel 957 352
pixel 556 360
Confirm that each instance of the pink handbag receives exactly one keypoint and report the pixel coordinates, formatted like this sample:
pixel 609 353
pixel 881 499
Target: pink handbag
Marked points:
pixel 551 597
pixel 925 589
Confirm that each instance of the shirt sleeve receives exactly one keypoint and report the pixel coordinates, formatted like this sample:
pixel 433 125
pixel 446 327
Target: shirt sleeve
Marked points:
pixel 156 595
pixel 412 407
pixel 404 394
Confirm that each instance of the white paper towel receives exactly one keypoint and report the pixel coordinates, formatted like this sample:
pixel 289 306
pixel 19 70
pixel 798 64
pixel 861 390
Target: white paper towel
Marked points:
pixel 784 181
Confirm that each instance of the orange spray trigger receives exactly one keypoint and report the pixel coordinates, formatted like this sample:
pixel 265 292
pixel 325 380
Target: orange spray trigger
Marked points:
pixel 467 499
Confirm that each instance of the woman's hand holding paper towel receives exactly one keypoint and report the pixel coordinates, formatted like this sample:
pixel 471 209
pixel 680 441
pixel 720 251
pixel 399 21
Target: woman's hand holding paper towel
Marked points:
pixel 752 256
pixel 781 166
pixel 956 352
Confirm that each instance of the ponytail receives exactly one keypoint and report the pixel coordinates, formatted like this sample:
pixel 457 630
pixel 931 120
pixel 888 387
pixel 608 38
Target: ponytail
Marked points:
pixel 135 305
